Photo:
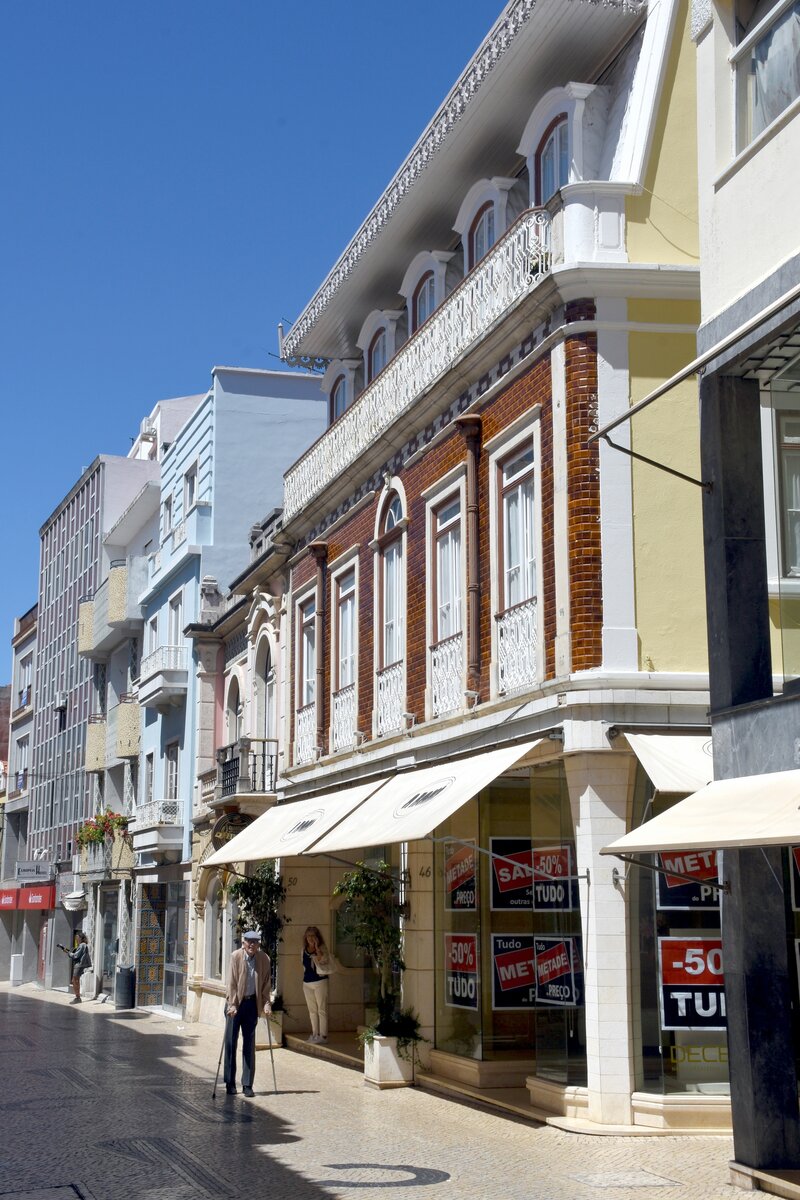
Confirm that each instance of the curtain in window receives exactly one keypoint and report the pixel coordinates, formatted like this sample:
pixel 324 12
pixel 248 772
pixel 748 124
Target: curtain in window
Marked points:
pixel 520 563
pixel 776 69
pixel 448 570
pixel 392 605
pixel 347 612
pixel 309 662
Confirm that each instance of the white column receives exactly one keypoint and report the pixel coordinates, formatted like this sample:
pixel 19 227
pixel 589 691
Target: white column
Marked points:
pixel 418 948
pixel 600 787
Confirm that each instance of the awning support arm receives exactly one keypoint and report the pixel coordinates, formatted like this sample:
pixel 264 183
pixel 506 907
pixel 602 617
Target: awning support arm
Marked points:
pixel 502 858
pixel 707 487
pixel 634 862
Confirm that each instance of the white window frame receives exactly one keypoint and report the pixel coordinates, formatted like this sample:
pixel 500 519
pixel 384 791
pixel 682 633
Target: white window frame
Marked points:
pixel 190 480
pixel 394 487
pixel 338 570
pixel 486 191
pixel 167 517
pixel 148 777
pixel 524 430
pixel 303 682
pixel 740 59
pixel 172 765
pixel 451 486
pixel 175 629
pixel 152 634
pixel 426 262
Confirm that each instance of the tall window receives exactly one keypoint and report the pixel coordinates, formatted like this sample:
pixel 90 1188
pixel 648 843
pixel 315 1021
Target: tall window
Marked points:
pixel 481 234
pixel 447 521
pixel 234 712
pixel 376 357
pixel 171 771
pixel 518 533
pixel 152 634
pixel 176 620
pixel 424 303
pixel 25 677
pixel 345 630
pixel 308 653
pixel 338 397
pixel 149 768
pixel 166 510
pixel 392 598
pixel 789 449
pixel 552 161
pixel 767 65
pixel 190 489
pixel 216 912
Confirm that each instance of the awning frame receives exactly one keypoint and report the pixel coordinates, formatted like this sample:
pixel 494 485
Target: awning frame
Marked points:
pixel 502 857
pixel 618 878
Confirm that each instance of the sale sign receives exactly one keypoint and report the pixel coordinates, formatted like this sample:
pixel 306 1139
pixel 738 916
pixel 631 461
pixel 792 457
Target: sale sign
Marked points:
pixel 701 867
pixel 461 979
pixel 692 983
pixel 538 878
pixel 513 971
pixel 558 971
pixel 460 877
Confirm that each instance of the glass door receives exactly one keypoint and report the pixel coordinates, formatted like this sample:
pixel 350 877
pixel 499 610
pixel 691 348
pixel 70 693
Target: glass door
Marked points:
pixel 174 946
pixel 110 943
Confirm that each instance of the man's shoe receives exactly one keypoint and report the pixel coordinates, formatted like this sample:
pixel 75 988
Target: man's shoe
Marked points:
pixel 230 1088
pixel 75 1000
pixel 248 1091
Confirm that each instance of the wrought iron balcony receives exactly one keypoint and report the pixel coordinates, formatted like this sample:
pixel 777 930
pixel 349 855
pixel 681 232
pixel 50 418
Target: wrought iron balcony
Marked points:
pixel 305 734
pixel 516 646
pixel 343 731
pixel 248 767
pixel 164 677
pixel 511 268
pixel 157 827
pixel 447 675
pixel 391 699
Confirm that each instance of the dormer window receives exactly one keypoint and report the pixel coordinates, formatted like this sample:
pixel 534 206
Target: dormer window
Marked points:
pixel 338 397
pixel 376 356
pixel 552 160
pixel 424 300
pixel 482 234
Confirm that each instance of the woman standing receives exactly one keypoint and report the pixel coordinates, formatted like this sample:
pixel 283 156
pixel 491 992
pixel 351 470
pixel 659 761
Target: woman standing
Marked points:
pixel 80 963
pixel 318 964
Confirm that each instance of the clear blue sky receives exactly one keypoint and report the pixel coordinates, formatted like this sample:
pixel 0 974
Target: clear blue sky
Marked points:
pixel 177 176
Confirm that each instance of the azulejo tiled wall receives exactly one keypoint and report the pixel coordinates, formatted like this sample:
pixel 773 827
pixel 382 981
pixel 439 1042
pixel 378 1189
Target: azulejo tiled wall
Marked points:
pixel 150 964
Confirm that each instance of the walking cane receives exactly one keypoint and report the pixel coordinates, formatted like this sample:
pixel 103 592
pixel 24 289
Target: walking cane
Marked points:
pixel 272 1057
pixel 219 1061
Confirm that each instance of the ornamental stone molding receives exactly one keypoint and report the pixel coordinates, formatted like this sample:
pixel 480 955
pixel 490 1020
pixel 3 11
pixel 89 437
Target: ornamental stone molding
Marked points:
pixel 702 15
pixel 496 44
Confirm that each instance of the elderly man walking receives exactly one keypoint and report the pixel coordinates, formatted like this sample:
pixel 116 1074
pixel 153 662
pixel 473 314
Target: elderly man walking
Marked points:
pixel 249 983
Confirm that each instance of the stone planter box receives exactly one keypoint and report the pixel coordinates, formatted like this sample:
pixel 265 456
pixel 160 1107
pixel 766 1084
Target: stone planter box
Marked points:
pixel 272 1028
pixel 383 1065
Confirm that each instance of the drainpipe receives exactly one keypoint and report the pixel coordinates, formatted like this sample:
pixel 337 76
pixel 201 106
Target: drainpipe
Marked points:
pixel 470 428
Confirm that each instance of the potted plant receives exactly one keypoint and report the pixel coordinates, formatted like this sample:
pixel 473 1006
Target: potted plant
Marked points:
pixel 260 898
pixel 370 919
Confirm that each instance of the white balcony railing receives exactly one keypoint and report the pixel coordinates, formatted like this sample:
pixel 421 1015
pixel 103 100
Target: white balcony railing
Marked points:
pixel 163 658
pixel 391 700
pixel 447 675
pixel 514 266
pixel 305 734
pixel 158 812
pixel 516 646
pixel 344 718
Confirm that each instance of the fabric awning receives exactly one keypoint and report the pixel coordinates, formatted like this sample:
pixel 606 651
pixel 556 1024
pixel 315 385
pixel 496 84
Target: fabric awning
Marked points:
pixel 413 803
pixel 674 762
pixel 751 810
pixel 288 829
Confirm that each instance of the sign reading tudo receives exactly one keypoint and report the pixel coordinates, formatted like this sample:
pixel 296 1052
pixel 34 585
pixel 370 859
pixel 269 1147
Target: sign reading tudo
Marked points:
pixel 461 979
pixel 528 877
pixel 692 983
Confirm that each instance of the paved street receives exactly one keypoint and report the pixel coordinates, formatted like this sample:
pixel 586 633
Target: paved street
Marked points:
pixel 108 1105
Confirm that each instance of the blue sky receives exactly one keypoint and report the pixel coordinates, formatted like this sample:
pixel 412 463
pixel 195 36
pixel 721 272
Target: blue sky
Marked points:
pixel 178 176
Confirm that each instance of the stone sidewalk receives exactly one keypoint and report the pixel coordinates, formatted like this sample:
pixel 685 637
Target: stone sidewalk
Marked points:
pixel 113 1105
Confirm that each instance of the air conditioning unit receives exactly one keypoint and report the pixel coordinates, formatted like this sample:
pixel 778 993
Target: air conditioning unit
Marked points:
pixel 60 701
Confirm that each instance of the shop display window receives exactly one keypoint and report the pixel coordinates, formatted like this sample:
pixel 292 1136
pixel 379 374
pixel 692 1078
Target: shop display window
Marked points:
pixel 509 958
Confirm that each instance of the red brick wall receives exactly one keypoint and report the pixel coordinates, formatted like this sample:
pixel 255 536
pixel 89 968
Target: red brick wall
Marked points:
pixel 533 387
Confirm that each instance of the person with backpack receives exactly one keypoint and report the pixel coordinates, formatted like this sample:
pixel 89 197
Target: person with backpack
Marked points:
pixel 80 962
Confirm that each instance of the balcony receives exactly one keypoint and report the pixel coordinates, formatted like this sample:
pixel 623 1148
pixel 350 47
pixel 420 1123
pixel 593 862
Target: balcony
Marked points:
pixel 516 647
pixel 164 677
pixel 24 702
pixel 18 784
pixel 114 609
pixel 248 767
pixel 305 734
pixel 447 675
pixel 85 626
pixel 110 859
pixel 184 538
pixel 95 750
pixel 513 267
pixel 343 731
pixel 157 829
pixel 128 739
pixel 391 699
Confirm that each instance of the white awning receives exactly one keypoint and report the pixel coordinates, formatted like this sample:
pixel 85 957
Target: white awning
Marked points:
pixel 288 829
pixel 751 810
pixel 674 762
pixel 413 803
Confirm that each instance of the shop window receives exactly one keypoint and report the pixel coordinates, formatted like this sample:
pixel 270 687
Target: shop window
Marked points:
pixel 767 67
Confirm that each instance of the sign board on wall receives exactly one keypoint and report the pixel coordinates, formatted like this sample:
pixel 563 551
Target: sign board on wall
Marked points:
pixel 679 894
pixel 558 971
pixel 542 970
pixel 461 978
pixel 692 983
pixel 43 897
pixel 527 877
pixel 227 826
pixel 460 877
pixel 8 899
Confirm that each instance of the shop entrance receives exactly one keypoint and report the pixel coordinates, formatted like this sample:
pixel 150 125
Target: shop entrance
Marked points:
pixel 109 944
pixel 174 946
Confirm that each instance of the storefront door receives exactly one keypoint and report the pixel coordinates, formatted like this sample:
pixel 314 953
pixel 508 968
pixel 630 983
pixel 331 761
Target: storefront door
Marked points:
pixel 174 946
pixel 109 943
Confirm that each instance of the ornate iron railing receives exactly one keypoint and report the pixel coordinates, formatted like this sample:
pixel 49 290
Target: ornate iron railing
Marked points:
pixel 391 699
pixel 344 718
pixel 516 646
pixel 447 675
pixel 305 734
pixel 511 268
pixel 159 812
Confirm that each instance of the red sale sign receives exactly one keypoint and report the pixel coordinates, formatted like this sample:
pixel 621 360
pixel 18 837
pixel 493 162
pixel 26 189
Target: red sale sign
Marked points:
pixel 8 898
pixel 692 983
pixel 461 970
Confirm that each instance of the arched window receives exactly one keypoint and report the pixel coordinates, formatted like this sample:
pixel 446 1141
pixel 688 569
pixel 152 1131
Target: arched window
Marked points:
pixel 376 358
pixel 216 931
pixel 481 234
pixel 338 397
pixel 424 300
pixel 552 160
pixel 390 616
pixel 234 712
pixel 392 581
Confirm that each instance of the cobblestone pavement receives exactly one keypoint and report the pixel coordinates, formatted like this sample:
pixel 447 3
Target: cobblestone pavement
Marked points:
pixel 107 1106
